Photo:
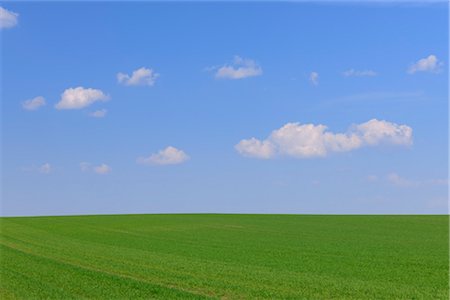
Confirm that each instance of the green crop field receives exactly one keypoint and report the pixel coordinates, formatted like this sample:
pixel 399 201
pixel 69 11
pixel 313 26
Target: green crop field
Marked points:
pixel 225 256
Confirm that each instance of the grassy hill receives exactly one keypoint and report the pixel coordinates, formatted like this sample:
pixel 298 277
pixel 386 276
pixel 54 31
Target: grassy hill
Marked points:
pixel 225 256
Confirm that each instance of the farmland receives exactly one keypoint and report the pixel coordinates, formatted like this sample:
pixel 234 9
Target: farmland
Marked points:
pixel 189 256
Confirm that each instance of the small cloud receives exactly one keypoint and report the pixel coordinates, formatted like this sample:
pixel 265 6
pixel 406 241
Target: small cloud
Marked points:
pixel 356 73
pixel 102 169
pixel 240 69
pixel 142 76
pixel 168 156
pixel 45 168
pixel 429 64
pixel 98 113
pixel 8 19
pixel 80 97
pixel 310 140
pixel 314 78
pixel 33 104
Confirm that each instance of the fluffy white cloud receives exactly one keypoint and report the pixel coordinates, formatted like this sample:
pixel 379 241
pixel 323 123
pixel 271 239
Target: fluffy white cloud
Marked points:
pixel 256 148
pixel 79 97
pixel 168 156
pixel 33 104
pixel 45 168
pixel 309 140
pixel 101 113
pixel 314 78
pixel 241 68
pixel 100 169
pixel 142 76
pixel 8 18
pixel 427 64
pixel 356 73
pixel 375 132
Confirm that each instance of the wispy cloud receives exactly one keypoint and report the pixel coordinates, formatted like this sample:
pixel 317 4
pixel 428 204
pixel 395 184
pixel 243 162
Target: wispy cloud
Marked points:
pixel 33 104
pixel 240 69
pixel 309 140
pixel 399 181
pixel 142 76
pixel 8 19
pixel 167 156
pixel 357 73
pixel 45 168
pixel 101 169
pixel 314 78
pixel 373 97
pixel 101 113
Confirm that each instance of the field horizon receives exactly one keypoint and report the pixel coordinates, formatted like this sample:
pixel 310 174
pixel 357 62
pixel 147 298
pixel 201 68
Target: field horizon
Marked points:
pixel 197 256
pixel 222 213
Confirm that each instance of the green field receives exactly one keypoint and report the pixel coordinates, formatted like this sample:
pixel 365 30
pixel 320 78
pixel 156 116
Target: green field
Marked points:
pixel 225 256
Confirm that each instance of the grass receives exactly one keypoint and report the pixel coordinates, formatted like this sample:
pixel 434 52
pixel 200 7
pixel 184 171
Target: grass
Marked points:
pixel 225 256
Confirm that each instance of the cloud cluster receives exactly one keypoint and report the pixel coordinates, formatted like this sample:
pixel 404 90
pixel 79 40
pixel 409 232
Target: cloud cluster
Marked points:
pixel 80 97
pixel 309 140
pixel 427 64
pixel 33 104
pixel 356 73
pixel 8 19
pixel 101 169
pixel 142 76
pixel 241 68
pixel 167 156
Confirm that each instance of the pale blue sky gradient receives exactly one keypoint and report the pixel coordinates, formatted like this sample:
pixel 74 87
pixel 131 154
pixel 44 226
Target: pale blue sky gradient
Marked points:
pixel 57 46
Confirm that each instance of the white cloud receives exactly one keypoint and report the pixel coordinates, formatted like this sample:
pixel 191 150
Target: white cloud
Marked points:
pixel 428 64
pixel 102 169
pixel 356 73
pixel 241 68
pixel 168 156
pixel 314 78
pixel 142 76
pixel 33 104
pixel 375 132
pixel 45 168
pixel 8 18
pixel 101 113
pixel 256 148
pixel 309 140
pixel 79 97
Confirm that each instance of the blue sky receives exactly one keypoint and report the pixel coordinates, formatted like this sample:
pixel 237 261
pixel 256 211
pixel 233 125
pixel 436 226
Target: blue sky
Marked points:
pixel 224 110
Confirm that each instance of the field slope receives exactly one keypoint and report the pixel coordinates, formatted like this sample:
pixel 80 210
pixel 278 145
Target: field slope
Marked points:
pixel 225 256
